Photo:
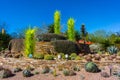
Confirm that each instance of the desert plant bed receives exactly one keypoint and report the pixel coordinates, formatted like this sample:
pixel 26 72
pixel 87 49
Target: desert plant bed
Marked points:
pixel 54 64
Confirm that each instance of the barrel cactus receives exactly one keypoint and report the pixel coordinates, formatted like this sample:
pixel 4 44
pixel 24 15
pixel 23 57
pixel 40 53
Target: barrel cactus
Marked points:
pixel 27 73
pixel 112 50
pixel 91 67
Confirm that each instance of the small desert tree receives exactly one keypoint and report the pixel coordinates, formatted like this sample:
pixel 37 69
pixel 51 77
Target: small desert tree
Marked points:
pixel 84 33
pixel 29 42
pixel 71 31
pixel 57 22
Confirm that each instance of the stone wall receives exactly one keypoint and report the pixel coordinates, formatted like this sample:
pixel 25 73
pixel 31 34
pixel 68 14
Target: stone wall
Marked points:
pixel 17 45
pixel 44 47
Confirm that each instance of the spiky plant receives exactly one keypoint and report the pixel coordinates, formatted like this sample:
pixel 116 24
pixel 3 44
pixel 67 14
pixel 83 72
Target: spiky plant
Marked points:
pixel 112 50
pixel 71 31
pixel 57 22
pixel 29 42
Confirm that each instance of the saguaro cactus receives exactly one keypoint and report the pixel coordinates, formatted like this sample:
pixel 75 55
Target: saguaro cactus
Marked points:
pixel 29 42
pixel 71 31
pixel 57 22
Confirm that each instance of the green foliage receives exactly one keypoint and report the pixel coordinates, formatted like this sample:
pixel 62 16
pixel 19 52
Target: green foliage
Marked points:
pixel 62 55
pixel 4 40
pixel 46 69
pixel 95 48
pixel 51 28
pixel 84 33
pixel 49 57
pixel 71 31
pixel 17 69
pixel 73 56
pixel 117 40
pixel 57 22
pixel 29 42
pixel 38 56
pixel 36 72
pixel 77 35
pixel 98 36
pixel 91 67
pixel 5 73
pixel 66 72
pixel 54 73
pixel 50 37
pixel 65 46
pixel 112 50
pixel 78 58
pixel 76 68
pixel 106 43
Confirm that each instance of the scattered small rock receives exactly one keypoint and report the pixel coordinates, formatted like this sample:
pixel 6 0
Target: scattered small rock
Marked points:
pixel 104 74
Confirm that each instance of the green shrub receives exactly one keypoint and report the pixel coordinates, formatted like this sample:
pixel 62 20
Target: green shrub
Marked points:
pixel 76 68
pixel 66 72
pixel 36 72
pixel 38 56
pixel 17 69
pixel 29 42
pixel 78 58
pixel 4 41
pixel 50 37
pixel 94 48
pixel 73 56
pixel 49 57
pixel 54 73
pixel 91 67
pixel 5 73
pixel 46 69
pixel 62 55
pixel 65 46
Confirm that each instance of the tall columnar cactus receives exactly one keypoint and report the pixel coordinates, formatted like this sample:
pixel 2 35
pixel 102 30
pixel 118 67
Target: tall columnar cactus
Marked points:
pixel 71 31
pixel 57 22
pixel 29 42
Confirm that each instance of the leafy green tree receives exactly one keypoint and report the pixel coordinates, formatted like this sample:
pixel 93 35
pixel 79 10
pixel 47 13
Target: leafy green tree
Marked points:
pixel 84 33
pixel 29 42
pixel 57 22
pixel 98 36
pixel 4 40
pixel 77 35
pixel 51 28
pixel 71 31
pixel 106 43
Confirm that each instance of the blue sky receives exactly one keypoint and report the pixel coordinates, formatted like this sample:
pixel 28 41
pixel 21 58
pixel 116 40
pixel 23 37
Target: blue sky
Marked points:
pixel 95 14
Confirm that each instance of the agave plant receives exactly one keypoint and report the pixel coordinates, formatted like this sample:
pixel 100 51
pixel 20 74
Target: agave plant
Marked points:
pixel 112 50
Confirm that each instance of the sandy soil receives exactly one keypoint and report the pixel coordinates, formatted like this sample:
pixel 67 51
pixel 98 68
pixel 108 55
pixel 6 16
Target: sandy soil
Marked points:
pixel 49 76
